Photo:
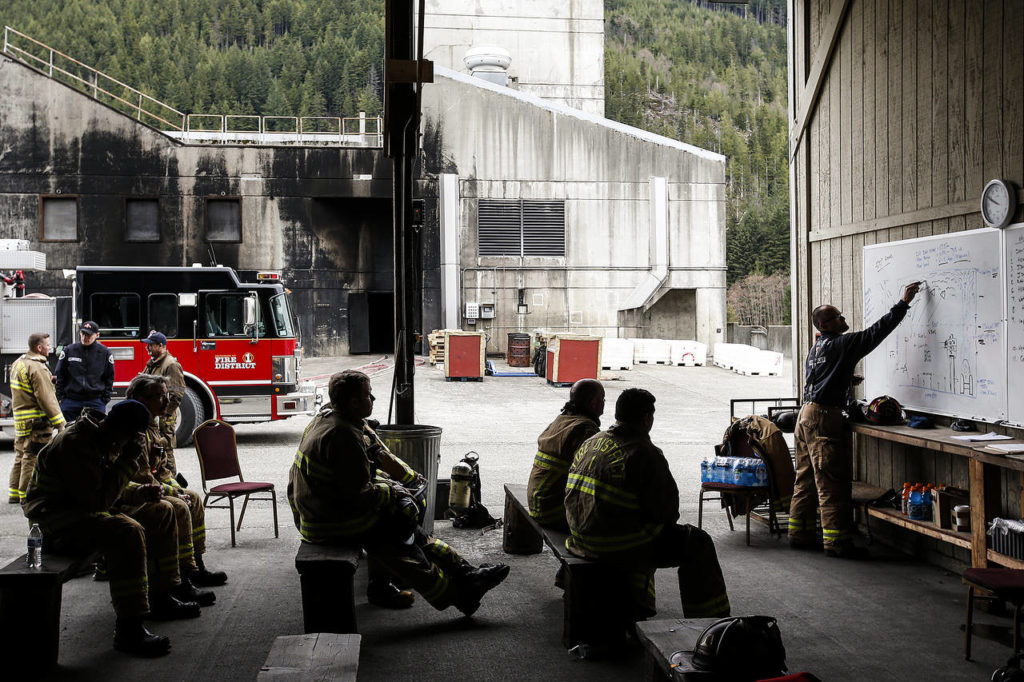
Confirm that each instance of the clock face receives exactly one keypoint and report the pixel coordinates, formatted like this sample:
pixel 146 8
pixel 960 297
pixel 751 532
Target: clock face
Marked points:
pixel 996 202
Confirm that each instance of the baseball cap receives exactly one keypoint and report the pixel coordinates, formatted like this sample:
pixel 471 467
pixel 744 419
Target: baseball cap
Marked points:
pixel 128 416
pixel 155 337
pixel 90 327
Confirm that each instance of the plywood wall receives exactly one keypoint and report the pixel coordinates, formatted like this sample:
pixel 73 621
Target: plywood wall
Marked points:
pixel 901 111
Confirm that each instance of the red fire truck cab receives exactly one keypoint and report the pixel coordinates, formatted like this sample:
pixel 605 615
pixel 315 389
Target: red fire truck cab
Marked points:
pixel 237 341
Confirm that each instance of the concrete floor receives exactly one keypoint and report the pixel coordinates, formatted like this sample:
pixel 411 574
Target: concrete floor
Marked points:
pixel 889 619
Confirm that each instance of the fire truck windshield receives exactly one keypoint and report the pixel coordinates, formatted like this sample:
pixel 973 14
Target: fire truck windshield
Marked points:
pixel 281 314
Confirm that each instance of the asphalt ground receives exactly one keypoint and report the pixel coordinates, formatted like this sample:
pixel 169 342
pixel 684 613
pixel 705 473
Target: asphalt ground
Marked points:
pixel 893 618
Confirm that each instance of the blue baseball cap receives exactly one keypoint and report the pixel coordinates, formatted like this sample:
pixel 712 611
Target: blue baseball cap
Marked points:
pixel 155 337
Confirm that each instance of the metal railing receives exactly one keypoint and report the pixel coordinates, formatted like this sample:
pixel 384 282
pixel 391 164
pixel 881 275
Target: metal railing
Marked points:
pixel 93 82
pixel 359 130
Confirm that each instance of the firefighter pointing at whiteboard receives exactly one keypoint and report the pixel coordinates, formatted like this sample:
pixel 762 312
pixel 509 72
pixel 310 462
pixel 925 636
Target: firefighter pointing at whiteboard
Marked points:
pixel 824 463
pixel 164 364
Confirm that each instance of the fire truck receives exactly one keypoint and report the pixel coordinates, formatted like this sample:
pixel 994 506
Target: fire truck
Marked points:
pixel 237 341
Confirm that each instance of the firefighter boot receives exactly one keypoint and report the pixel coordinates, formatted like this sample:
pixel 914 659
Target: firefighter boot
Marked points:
pixel 132 637
pixel 475 583
pixel 187 592
pixel 386 594
pixel 165 606
pixel 206 578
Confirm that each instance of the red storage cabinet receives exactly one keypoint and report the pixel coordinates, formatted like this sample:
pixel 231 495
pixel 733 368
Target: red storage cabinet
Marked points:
pixel 572 357
pixel 464 356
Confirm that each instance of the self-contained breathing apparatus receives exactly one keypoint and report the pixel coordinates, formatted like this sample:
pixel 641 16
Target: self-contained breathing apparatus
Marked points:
pixel 464 506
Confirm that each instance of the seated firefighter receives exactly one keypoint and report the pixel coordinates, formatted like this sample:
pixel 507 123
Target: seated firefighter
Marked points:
pixel 579 420
pixel 622 505
pixel 190 515
pixel 345 487
pixel 78 477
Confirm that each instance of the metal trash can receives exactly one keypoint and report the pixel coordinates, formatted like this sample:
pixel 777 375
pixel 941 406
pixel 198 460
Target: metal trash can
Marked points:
pixel 419 446
pixel 518 354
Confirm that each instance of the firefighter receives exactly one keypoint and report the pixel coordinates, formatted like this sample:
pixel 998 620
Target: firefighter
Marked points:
pixel 85 374
pixel 579 420
pixel 622 505
pixel 36 412
pixel 824 459
pixel 344 488
pixel 151 391
pixel 78 478
pixel 164 364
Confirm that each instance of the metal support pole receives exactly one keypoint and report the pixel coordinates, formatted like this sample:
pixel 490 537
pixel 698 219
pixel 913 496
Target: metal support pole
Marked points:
pixel 402 110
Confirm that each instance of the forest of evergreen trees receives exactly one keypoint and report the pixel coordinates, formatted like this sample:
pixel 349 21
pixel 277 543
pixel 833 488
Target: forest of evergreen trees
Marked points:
pixel 710 74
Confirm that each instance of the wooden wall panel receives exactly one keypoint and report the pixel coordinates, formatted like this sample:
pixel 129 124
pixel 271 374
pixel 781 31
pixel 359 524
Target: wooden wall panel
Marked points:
pixel 1013 80
pixel 922 108
pixel 908 109
pixel 856 115
pixel 881 108
pixel 939 106
pixel 894 107
pixel 869 87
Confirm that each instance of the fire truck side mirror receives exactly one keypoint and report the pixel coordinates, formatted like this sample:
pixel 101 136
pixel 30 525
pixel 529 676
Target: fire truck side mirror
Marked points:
pixel 250 317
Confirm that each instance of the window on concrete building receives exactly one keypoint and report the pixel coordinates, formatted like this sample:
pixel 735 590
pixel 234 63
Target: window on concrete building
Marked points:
pixel 141 220
pixel 58 219
pixel 521 227
pixel 224 219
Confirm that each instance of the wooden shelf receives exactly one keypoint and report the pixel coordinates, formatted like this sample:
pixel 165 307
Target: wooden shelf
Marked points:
pixel 932 530
pixel 1003 560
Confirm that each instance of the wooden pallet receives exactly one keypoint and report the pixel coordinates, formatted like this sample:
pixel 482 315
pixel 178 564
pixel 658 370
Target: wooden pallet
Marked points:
pixel 435 341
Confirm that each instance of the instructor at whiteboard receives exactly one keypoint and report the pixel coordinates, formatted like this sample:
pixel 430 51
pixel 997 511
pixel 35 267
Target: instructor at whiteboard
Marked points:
pixel 824 462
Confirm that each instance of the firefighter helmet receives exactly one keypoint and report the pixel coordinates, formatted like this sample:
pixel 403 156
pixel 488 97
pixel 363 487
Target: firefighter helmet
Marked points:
pixel 885 410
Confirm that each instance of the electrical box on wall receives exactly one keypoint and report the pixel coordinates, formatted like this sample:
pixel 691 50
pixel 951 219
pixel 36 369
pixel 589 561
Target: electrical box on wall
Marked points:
pixel 472 311
pixel 486 311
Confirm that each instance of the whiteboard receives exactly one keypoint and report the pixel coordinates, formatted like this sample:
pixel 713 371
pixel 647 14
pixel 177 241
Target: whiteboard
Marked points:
pixel 1013 270
pixel 948 356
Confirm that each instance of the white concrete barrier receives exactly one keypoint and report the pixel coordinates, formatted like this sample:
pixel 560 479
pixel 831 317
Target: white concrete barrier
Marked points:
pixel 652 351
pixel 687 353
pixel 617 354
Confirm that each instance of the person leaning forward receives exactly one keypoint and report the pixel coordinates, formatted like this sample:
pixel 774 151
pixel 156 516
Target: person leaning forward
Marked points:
pixel 36 412
pixel 622 505
pixel 824 461
pixel 579 420
pixel 85 374
pixel 344 487
pixel 189 513
pixel 78 478
pixel 166 365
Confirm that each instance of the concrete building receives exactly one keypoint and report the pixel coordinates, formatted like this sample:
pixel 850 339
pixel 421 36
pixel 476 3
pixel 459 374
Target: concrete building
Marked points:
pixel 556 48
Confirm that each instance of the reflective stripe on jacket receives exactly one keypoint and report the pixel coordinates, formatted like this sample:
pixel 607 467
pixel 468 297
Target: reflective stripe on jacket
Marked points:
pixel 33 398
pixel 555 449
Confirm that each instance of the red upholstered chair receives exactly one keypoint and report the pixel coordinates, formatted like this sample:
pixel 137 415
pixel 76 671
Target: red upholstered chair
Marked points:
pixel 1003 583
pixel 218 459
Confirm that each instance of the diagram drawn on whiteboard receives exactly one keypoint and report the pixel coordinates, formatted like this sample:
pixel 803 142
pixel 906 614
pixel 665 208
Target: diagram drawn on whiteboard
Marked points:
pixel 946 354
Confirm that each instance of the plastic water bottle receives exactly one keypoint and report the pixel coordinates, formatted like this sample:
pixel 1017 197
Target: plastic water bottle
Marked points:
pixel 35 547
pixel 915 506
pixel 738 472
pixel 705 470
pixel 762 473
pixel 928 503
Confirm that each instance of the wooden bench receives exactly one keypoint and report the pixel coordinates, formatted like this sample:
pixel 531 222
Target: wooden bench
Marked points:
pixel 314 657
pixel 593 597
pixel 662 638
pixel 30 601
pixel 327 576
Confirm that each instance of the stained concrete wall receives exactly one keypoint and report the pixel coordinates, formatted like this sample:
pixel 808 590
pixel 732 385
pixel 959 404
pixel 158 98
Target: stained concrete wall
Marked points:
pixel 487 135
pixel 557 48
pixel 306 212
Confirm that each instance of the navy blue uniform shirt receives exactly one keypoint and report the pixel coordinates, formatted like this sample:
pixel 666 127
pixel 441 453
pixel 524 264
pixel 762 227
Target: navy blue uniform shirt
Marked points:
pixel 832 358
pixel 85 372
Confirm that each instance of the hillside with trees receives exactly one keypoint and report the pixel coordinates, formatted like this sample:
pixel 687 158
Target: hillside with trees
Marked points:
pixel 709 74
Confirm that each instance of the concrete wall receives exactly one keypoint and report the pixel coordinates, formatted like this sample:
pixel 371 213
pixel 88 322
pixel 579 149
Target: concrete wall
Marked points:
pixel 306 212
pixel 557 48
pixel 779 337
pixel 603 172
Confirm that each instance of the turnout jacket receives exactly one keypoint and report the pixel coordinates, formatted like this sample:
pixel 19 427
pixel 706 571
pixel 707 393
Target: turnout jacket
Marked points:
pixel 620 494
pixel 79 474
pixel 85 372
pixel 168 366
pixel 833 357
pixel 32 396
pixel 343 479
pixel 555 449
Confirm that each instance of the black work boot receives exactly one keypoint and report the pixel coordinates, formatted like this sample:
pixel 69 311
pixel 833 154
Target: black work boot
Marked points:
pixel 165 606
pixel 205 578
pixel 132 637
pixel 99 570
pixel 187 592
pixel 386 594
pixel 476 583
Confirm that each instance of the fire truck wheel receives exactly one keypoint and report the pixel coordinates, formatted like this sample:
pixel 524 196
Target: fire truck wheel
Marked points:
pixel 190 415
